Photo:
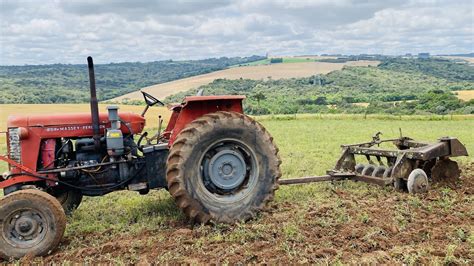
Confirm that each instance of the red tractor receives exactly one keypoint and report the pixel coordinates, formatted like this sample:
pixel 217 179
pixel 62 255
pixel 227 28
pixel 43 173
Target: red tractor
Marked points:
pixel 219 164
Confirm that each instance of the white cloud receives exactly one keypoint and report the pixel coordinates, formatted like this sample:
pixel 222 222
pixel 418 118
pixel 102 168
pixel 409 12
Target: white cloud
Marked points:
pixel 56 31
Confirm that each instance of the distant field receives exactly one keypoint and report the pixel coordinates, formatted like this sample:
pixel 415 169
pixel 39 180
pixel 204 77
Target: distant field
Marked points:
pixel 289 59
pixel 465 95
pixel 465 58
pixel 362 104
pixel 275 71
pixel 366 104
pixel 285 60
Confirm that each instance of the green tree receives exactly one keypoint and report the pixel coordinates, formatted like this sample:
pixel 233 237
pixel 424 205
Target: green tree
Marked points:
pixel 258 95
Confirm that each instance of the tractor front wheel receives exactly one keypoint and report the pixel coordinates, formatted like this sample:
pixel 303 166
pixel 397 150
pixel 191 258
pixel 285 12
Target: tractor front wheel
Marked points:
pixel 32 222
pixel 223 167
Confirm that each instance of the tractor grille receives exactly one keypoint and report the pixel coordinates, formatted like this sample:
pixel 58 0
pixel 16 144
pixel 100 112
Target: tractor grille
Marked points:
pixel 14 144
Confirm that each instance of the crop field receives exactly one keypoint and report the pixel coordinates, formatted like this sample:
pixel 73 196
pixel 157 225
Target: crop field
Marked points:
pixel 289 59
pixel 275 71
pixel 340 222
pixel 470 60
pixel 465 95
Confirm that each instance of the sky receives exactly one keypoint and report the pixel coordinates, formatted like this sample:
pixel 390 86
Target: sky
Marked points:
pixel 57 31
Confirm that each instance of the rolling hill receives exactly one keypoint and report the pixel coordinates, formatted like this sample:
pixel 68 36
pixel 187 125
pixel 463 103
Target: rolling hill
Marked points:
pixel 396 86
pixel 66 83
pixel 254 72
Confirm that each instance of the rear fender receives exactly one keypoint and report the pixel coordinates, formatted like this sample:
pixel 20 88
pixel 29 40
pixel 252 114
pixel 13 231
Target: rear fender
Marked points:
pixel 196 106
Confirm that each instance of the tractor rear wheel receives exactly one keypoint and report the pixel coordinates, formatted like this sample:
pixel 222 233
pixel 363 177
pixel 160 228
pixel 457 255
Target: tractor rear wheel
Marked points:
pixel 223 167
pixel 32 222
pixel 68 198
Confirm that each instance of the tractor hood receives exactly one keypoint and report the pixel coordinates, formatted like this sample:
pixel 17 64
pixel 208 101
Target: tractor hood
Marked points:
pixel 134 121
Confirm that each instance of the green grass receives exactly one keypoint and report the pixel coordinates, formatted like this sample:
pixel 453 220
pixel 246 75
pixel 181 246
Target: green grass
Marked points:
pixel 311 145
pixel 308 146
pixel 297 60
pixel 285 60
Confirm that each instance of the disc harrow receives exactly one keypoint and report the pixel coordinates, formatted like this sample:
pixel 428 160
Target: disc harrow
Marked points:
pixel 410 166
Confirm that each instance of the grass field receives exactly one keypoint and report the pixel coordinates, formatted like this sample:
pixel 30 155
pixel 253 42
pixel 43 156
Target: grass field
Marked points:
pixel 275 71
pixel 465 95
pixel 340 222
pixel 288 59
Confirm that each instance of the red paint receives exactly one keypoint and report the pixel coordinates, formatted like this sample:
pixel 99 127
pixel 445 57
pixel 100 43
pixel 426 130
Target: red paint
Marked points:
pixel 174 117
pixel 82 120
pixel 48 150
pixel 17 179
pixel 48 147
pixel 13 163
pixel 197 106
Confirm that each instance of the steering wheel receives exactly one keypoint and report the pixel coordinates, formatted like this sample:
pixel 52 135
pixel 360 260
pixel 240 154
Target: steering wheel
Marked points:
pixel 150 100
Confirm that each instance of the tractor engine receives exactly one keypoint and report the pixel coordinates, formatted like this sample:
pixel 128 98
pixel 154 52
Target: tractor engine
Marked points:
pixel 66 149
pixel 106 164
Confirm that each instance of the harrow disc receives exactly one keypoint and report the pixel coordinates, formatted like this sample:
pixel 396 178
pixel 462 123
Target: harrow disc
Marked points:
pixel 359 167
pixel 388 172
pixel 445 169
pixel 368 170
pixel 379 171
pixel 417 182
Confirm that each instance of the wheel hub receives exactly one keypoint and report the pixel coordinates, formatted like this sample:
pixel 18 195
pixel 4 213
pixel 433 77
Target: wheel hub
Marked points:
pixel 227 169
pixel 420 184
pixel 24 228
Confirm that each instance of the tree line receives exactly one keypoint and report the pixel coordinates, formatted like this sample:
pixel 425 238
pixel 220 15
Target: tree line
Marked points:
pixel 66 83
pixel 422 87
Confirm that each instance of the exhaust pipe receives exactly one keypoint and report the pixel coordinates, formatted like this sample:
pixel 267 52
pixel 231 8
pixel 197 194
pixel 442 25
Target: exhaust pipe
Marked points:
pixel 94 104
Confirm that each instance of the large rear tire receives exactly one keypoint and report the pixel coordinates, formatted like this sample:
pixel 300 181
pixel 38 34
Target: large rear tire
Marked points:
pixel 70 199
pixel 223 167
pixel 32 222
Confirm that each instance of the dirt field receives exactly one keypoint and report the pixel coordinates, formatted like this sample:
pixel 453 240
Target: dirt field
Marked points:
pixel 465 95
pixel 341 222
pixel 275 71
pixel 329 223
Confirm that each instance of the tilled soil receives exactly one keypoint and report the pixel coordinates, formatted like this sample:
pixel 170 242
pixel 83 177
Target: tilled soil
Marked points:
pixel 355 223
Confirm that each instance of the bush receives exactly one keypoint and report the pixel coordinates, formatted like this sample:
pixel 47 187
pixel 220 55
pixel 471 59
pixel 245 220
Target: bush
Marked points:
pixel 276 60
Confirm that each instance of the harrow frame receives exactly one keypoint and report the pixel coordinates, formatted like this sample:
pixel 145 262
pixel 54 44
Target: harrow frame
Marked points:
pixel 409 155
